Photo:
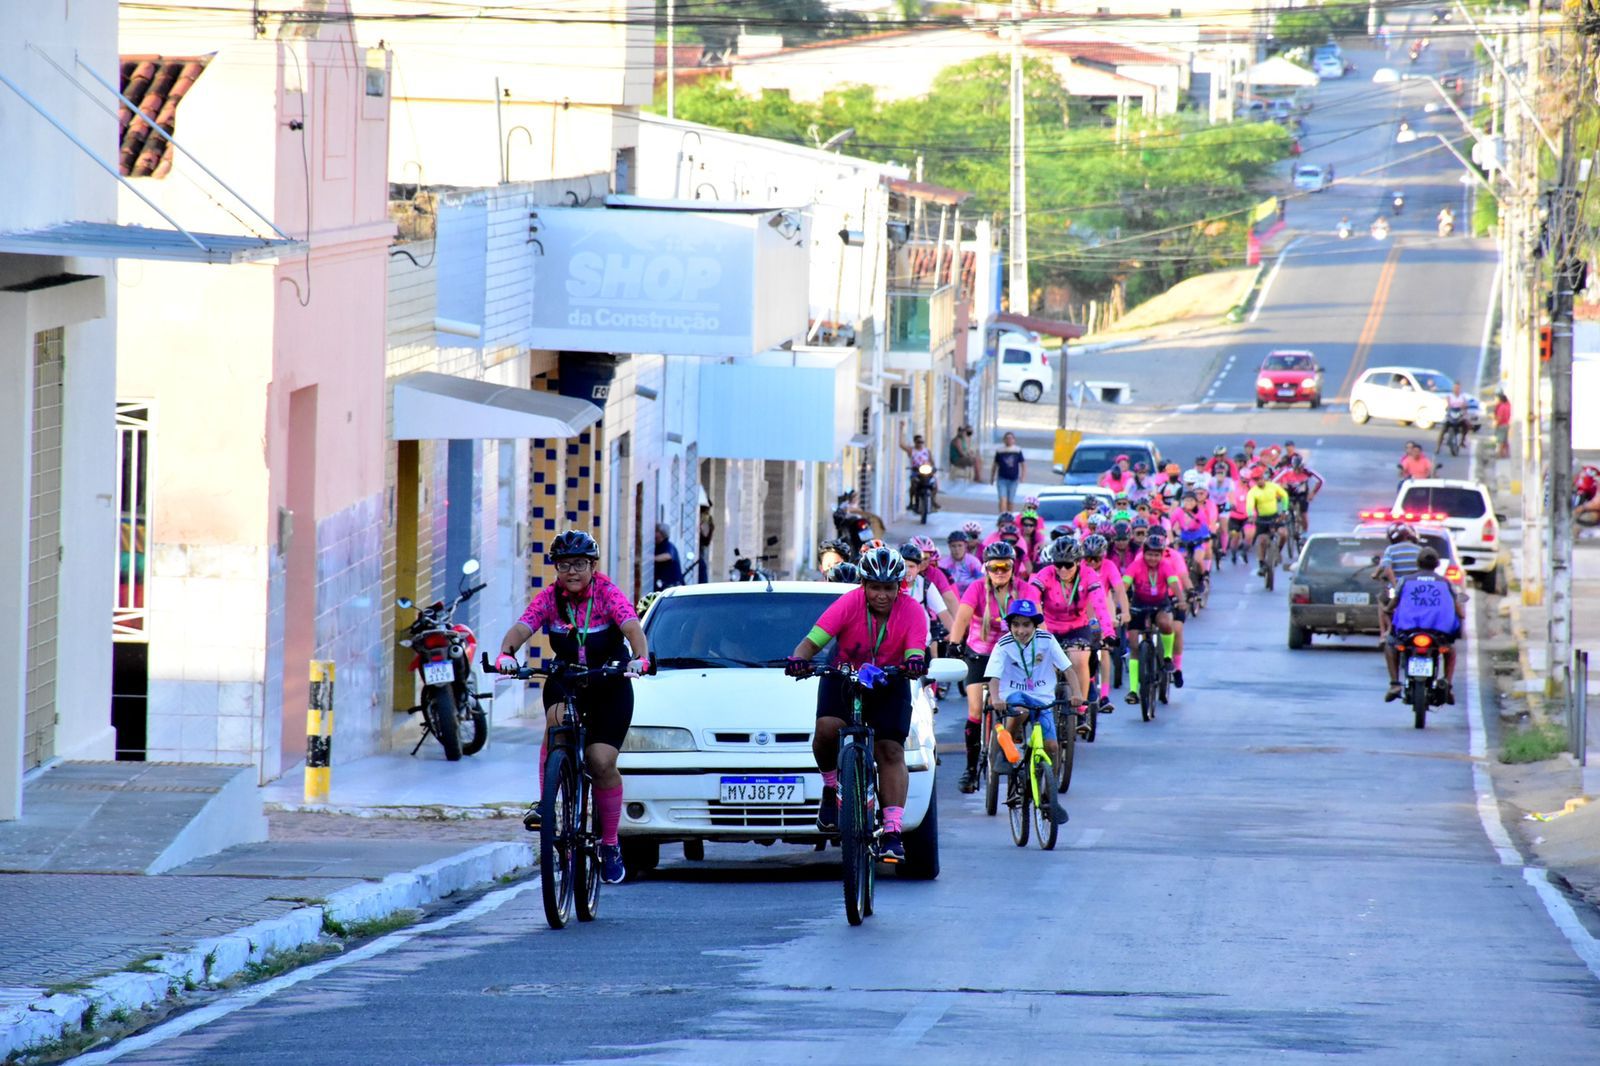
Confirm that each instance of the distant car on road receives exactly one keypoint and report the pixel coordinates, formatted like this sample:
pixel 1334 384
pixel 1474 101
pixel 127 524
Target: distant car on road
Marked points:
pixel 1063 503
pixel 1309 177
pixel 1385 76
pixel 1093 457
pixel 1329 66
pixel 1404 394
pixel 1467 511
pixel 1333 589
pixel 1291 376
pixel 1024 370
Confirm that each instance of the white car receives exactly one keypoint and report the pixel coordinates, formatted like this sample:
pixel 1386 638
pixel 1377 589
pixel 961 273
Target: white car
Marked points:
pixel 1309 177
pixel 1063 503
pixel 720 745
pixel 1329 66
pixel 1402 394
pixel 1025 370
pixel 1467 511
pixel 1385 76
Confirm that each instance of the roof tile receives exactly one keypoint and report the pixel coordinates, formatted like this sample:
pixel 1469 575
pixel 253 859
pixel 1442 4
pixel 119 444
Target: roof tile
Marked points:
pixel 157 84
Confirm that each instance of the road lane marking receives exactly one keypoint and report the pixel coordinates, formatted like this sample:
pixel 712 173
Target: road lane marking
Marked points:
pixel 924 1015
pixel 1272 276
pixel 1223 408
pixel 1090 838
pixel 247 997
pixel 1369 329
pixel 1112 805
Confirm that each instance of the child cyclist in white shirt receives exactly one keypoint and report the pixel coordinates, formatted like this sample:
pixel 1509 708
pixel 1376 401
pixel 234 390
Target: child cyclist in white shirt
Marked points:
pixel 1022 672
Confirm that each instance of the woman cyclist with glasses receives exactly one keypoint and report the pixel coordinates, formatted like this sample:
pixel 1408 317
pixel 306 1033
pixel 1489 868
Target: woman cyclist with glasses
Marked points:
pixel 980 623
pixel 587 620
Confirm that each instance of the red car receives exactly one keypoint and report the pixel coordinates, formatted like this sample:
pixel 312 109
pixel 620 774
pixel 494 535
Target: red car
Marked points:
pixel 1289 377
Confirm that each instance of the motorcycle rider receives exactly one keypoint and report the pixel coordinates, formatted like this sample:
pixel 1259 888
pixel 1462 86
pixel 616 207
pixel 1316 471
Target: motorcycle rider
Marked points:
pixel 1456 411
pixel 1447 221
pixel 1380 228
pixel 1425 601
pixel 920 455
pixel 1345 229
pixel 587 620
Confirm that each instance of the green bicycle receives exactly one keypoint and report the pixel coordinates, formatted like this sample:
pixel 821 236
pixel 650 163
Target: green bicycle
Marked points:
pixel 1031 800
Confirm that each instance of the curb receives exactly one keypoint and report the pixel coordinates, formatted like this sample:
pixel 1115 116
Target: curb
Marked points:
pixel 215 959
pixel 422 812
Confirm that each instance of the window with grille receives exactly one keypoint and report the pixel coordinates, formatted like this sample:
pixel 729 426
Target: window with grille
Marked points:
pixel 129 612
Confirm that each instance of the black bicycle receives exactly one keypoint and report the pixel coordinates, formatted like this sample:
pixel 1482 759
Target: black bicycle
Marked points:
pixel 859 827
pixel 1153 677
pixel 569 830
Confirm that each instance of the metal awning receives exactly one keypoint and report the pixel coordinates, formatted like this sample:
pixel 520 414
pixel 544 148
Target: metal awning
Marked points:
pixel 429 406
pixel 1067 331
pixel 108 240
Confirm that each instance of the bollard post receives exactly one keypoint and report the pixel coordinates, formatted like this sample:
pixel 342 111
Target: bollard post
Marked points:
pixel 1580 706
pixel 319 732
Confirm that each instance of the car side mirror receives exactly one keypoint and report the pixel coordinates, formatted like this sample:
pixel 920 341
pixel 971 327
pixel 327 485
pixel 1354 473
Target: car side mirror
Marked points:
pixel 1058 469
pixel 1498 517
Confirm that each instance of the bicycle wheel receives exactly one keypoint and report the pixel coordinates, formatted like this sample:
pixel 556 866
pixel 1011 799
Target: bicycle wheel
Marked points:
pixel 1019 804
pixel 855 835
pixel 1044 823
pixel 1271 561
pixel 585 859
pixel 1067 739
pixel 558 836
pixel 986 774
pixel 1166 687
pixel 1094 721
pixel 1117 666
pixel 1149 664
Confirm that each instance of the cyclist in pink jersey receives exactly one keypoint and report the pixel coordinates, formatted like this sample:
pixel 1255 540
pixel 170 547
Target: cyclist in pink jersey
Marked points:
pixel 928 570
pixel 874 624
pixel 961 565
pixel 980 622
pixel 1153 584
pixel 1095 547
pixel 589 622
pixel 1006 519
pixel 1076 612
pixel 1237 514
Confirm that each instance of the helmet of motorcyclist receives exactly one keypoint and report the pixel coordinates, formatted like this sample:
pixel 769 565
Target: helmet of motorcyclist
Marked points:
pixel 910 552
pixel 573 543
pixel 1399 531
pixel 845 574
pixel 1094 546
pixel 882 566
pixel 1000 552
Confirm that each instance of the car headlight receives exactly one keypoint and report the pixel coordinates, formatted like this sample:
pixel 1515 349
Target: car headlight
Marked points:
pixel 1263 383
pixel 658 738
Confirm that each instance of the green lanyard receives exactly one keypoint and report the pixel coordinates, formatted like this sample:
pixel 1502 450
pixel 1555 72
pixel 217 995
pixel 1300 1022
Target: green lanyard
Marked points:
pixel 1028 657
pixel 1076 578
pixel 581 632
pixel 883 631
pixel 996 597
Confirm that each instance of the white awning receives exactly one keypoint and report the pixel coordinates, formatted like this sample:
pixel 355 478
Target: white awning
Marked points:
pixel 109 240
pixel 429 406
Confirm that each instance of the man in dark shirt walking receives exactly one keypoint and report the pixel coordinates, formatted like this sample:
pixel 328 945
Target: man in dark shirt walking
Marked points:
pixel 669 568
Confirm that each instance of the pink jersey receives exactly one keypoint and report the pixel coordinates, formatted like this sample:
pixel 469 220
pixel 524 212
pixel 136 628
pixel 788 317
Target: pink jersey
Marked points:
pixel 937 578
pixel 1069 602
pixel 602 605
pixel 865 639
pixel 1147 589
pixel 978 597
pixel 1110 580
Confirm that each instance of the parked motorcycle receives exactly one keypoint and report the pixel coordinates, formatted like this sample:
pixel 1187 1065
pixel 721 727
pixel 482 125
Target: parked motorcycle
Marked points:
pixel 1422 665
pixel 922 490
pixel 451 710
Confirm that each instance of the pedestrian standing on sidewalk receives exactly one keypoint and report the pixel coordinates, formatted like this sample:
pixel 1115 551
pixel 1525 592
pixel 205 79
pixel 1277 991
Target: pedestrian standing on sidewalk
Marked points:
pixel 708 530
pixel 962 457
pixel 1502 427
pixel 1010 467
pixel 669 568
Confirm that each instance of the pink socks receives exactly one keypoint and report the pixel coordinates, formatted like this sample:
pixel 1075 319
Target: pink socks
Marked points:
pixel 1105 690
pixel 1177 661
pixel 608 805
pixel 830 779
pixel 891 819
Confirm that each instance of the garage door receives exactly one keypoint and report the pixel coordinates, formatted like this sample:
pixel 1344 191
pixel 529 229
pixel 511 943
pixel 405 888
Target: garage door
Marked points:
pixel 44 548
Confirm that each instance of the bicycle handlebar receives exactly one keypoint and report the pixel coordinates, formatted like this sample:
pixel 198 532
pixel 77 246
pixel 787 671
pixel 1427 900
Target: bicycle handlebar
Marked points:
pixel 570 671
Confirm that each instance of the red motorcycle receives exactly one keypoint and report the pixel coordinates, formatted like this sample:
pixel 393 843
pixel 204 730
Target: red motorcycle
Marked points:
pixel 451 709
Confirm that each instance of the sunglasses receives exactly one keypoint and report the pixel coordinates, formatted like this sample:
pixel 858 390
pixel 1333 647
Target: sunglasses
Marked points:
pixel 997 567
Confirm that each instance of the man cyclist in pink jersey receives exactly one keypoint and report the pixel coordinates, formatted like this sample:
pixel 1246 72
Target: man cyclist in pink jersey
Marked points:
pixel 1076 612
pixel 874 624
pixel 980 622
pixel 588 622
pixel 1153 582
pixel 1302 483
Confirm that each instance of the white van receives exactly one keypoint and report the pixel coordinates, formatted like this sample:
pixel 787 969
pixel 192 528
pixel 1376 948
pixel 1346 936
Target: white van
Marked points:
pixel 1025 369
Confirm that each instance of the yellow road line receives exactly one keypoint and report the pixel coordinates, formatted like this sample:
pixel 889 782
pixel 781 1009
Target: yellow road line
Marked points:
pixel 1369 330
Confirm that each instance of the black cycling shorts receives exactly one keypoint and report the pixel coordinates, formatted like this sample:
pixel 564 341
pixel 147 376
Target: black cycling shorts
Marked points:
pixel 1142 616
pixel 1180 613
pixel 1084 636
pixel 977 663
pixel 606 707
pixel 1236 524
pixel 887 708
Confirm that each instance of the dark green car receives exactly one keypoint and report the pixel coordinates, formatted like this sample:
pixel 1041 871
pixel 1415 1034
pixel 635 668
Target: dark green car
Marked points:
pixel 1334 590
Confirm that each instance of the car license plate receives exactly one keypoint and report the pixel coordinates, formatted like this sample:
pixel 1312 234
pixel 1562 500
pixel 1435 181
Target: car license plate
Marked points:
pixel 1285 390
pixel 1352 599
pixel 763 790
pixel 438 673
pixel 1419 666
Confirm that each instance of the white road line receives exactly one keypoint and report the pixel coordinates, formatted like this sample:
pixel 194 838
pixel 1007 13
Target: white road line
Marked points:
pixel 1556 904
pixel 926 1014
pixel 1223 408
pixel 1090 838
pixel 246 997
pixel 1112 805
pixel 1488 324
pixel 1272 276
pixel 1188 407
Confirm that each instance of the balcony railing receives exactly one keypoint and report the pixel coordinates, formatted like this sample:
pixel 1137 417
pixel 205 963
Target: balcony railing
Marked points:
pixel 922 326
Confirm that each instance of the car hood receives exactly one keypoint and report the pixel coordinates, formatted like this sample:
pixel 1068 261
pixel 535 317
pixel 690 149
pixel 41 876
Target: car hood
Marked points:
pixel 725 699
pixel 1287 377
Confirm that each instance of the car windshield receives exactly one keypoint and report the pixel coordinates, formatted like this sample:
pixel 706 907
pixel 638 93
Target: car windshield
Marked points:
pixel 1341 554
pixel 1287 362
pixel 1311 172
pixel 1439 543
pixel 1053 510
pixel 757 628
pixel 1098 458
pixel 1432 382
pixel 1450 499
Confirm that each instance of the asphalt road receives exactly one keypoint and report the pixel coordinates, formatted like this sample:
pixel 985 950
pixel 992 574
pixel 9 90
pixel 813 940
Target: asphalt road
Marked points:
pixel 1278 866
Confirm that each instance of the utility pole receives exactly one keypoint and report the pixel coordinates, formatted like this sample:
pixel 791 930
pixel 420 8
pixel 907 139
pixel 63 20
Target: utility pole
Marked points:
pixel 1019 177
pixel 672 59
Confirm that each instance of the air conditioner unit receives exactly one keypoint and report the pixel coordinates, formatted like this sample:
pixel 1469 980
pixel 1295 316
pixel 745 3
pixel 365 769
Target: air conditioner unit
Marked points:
pixel 899 399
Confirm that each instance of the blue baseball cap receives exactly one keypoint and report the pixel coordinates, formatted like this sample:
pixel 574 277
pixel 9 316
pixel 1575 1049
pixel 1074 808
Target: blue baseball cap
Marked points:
pixel 1024 609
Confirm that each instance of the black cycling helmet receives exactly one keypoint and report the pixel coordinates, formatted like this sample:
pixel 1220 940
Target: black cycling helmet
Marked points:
pixel 1006 518
pixel 1121 530
pixel 1063 530
pixel 1065 551
pixel 1000 552
pixel 1156 541
pixel 1094 546
pixel 910 552
pixel 1297 460
pixel 956 537
pixel 1140 522
pixel 845 573
pixel 882 566
pixel 574 542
